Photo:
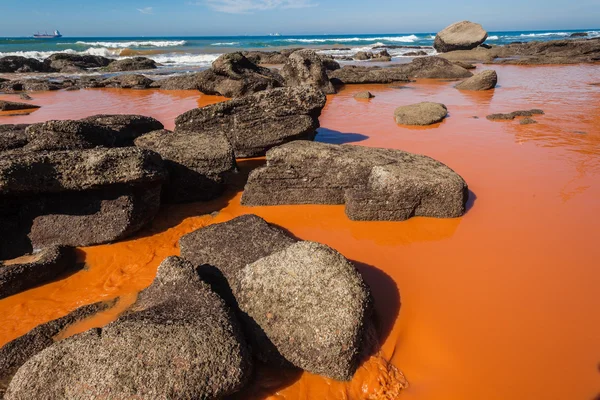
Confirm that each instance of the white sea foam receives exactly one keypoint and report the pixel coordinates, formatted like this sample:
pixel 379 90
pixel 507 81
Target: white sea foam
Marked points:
pixel 225 44
pixel 41 55
pixel 185 59
pixel 545 34
pixel 404 39
pixel 493 38
pixel 120 45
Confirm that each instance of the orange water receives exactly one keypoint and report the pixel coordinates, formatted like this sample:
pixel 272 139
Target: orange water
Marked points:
pixel 500 304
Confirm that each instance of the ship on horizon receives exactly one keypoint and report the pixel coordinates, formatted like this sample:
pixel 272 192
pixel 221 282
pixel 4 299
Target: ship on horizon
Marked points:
pixel 47 35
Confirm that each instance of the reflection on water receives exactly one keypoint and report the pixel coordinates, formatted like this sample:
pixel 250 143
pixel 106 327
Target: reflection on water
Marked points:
pixel 499 304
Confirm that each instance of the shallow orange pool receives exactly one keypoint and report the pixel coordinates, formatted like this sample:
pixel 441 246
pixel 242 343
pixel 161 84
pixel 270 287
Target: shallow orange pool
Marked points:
pixel 500 304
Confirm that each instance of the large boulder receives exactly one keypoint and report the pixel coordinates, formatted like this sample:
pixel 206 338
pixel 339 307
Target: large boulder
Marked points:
pixel 128 126
pixel 425 113
pixel 484 80
pixel 12 106
pixel 351 74
pixel 178 341
pixel 128 81
pixel 305 67
pixel 190 81
pixel 434 68
pixel 260 121
pixel 76 197
pixel 12 136
pixel 464 35
pixel 131 64
pixel 16 352
pixel 266 57
pixel 65 62
pixel 32 270
pixel 21 64
pixel 375 184
pixel 198 163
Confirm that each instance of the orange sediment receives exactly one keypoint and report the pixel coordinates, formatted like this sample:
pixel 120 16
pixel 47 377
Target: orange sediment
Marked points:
pixel 501 303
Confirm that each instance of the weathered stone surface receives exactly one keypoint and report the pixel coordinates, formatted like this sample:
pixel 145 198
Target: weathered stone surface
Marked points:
pixel 36 269
pixel 434 68
pixel 329 63
pixel 484 80
pixel 425 113
pixel 179 341
pixel 364 95
pixel 29 85
pixel 464 35
pixel 15 353
pixel 260 121
pixel 464 65
pixel 527 121
pixel 312 304
pixel 198 163
pixel 352 74
pixel 21 64
pixel 512 115
pixel 419 53
pixel 129 81
pixel 190 81
pixel 12 136
pixel 266 57
pixel 131 64
pixel 305 67
pixel 127 126
pixel 375 184
pixel 64 62
pixel 12 106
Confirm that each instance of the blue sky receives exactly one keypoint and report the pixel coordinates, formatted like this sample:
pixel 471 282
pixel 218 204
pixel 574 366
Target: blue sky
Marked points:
pixel 257 17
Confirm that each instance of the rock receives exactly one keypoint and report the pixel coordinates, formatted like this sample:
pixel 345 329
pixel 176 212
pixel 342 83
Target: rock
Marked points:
pixel 484 80
pixel 514 114
pixel 329 63
pixel 25 96
pixel 128 82
pixel 464 35
pixel 198 163
pixel 29 85
pixel 98 130
pixel 363 55
pixel 464 65
pixel 356 75
pixel 433 68
pixel 266 57
pixel 425 113
pixel 12 137
pixel 15 353
pixel 131 64
pixel 528 121
pixel 260 121
pixel 66 63
pixel 579 34
pixel 21 64
pixel 364 95
pixel 181 82
pixel 12 106
pixel 41 267
pixel 305 67
pixel 178 341
pixel 77 197
pixel 415 53
pixel 375 184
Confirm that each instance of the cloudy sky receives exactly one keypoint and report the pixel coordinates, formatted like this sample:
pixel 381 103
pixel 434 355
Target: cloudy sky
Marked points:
pixel 258 17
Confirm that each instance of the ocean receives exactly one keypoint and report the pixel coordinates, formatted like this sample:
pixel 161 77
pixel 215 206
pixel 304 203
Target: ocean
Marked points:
pixel 199 52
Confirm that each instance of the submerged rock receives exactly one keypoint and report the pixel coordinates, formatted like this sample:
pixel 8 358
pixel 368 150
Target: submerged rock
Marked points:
pixel 260 121
pixel 131 64
pixel 375 184
pixel 484 80
pixel 464 35
pixel 425 113
pixel 198 163
pixel 515 114
pixel 305 67
pixel 36 269
pixel 12 106
pixel 178 341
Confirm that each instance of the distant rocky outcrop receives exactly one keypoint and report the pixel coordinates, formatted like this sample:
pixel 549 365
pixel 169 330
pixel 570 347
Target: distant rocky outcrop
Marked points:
pixel 425 113
pixel 375 184
pixel 256 123
pixel 464 35
pixel 484 80
pixel 305 67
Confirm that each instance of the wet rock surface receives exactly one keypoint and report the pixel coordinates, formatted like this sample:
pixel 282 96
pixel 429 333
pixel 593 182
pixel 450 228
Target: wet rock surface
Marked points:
pixel 351 74
pixel 425 113
pixel 512 115
pixel 464 35
pixel 64 62
pixel 12 136
pixel 364 95
pixel 258 122
pixel 375 184
pixel 131 64
pixel 129 81
pixel 305 67
pixel 13 106
pixel 198 163
pixel 434 68
pixel 22 64
pixel 485 80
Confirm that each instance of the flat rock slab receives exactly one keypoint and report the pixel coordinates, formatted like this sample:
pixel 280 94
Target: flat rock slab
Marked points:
pixel 32 270
pixel 464 35
pixel 179 340
pixel 484 80
pixel 512 115
pixel 256 123
pixel 422 114
pixel 12 106
pixel 362 75
pixel 375 184
pixel 198 163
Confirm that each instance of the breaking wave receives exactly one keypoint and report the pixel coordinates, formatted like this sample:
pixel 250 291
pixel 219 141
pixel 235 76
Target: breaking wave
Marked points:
pixel 403 39
pixel 150 43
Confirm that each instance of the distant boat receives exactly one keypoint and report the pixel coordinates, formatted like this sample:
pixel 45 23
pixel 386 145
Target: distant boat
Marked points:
pixel 274 34
pixel 47 36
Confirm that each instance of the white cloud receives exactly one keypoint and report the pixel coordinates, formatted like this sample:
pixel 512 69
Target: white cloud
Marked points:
pixel 145 10
pixel 249 6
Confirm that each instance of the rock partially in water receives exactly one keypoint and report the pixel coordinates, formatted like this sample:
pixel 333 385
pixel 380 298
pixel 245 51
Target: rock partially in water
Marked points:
pixel 305 67
pixel 131 64
pixel 425 113
pixel 528 121
pixel 36 269
pixel 179 340
pixel 29 85
pixel 22 64
pixel 364 95
pixel 198 163
pixel 485 80
pixel 129 81
pixel 434 68
pixel 13 106
pixel 375 184
pixel 464 35
pixel 64 62
pixel 260 121
pixel 127 126
pixel 512 115
pixel 351 74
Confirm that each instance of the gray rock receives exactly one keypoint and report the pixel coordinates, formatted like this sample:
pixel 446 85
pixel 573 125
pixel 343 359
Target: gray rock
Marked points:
pixel 425 113
pixel 179 341
pixel 364 95
pixel 260 121
pixel 528 121
pixel 484 80
pixel 375 184
pixel 190 81
pixel 363 55
pixel 351 74
pixel 329 63
pixel 67 63
pixel 127 126
pixel 434 68
pixel 312 304
pixel 128 81
pixel 21 64
pixel 512 115
pixel 464 35
pixel 29 85
pixel 198 163
pixel 12 137
pixel 25 96
pixel 12 106
pixel 131 64
pixel 41 267
pixel 305 67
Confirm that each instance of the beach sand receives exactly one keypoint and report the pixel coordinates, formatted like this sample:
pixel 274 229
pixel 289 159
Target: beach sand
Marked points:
pixel 499 304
